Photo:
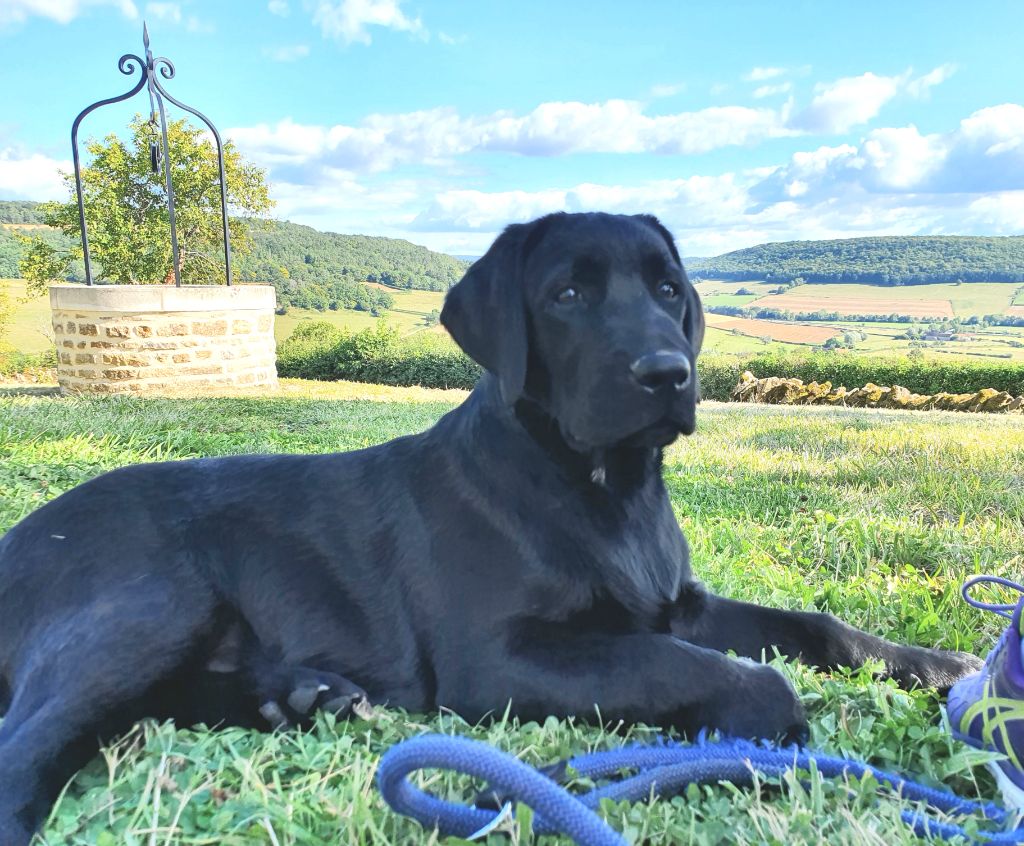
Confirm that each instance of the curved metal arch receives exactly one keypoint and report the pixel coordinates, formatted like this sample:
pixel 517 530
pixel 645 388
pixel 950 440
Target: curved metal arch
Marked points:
pixel 126 65
pixel 220 154
pixel 151 68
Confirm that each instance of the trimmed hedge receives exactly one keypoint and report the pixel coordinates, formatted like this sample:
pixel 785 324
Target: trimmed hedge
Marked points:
pixel 379 354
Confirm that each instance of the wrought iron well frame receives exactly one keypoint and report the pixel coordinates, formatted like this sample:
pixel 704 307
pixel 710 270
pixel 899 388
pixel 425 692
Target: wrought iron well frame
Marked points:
pixel 160 156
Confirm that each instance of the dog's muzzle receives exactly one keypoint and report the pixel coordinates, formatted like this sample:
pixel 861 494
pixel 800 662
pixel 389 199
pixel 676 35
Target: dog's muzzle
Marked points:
pixel 662 369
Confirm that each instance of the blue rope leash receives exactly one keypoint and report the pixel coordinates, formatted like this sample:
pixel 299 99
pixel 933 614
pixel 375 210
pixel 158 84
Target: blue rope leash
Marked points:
pixel 663 769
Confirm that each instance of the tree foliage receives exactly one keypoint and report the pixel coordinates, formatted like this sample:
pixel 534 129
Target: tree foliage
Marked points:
pixel 321 270
pixel 299 254
pixel 909 260
pixel 20 211
pixel 126 210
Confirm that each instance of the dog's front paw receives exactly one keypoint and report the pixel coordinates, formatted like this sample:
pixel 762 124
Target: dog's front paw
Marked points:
pixel 918 667
pixel 294 695
pixel 762 704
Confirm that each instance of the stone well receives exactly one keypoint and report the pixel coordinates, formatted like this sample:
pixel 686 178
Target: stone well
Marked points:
pixel 157 338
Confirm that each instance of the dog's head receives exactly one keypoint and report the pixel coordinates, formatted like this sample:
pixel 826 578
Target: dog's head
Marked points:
pixel 592 317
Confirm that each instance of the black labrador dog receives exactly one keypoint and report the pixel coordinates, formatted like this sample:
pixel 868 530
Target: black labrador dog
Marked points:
pixel 522 550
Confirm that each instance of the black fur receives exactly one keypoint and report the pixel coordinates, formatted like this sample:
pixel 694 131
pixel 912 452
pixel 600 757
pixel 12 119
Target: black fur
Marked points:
pixel 523 549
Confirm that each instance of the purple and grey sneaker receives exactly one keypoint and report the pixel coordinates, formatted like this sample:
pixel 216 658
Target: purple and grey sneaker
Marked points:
pixel 986 709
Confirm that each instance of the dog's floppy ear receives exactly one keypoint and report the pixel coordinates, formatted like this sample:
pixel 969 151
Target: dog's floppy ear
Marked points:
pixel 486 311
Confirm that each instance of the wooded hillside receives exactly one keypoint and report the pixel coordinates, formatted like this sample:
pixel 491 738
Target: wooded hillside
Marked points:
pixel 909 260
pixel 310 269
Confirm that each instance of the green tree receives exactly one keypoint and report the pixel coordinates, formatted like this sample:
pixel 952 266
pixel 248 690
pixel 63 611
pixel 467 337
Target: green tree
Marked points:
pixel 126 210
pixel 5 316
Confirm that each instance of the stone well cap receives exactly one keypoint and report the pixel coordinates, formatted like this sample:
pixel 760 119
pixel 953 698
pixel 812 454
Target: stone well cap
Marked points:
pixel 157 298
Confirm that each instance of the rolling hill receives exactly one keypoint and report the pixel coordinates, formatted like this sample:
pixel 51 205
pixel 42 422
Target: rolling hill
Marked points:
pixel 309 268
pixel 903 260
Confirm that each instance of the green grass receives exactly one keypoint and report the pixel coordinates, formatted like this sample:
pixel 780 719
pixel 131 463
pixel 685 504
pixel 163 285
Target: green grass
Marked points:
pixel 874 516
pixel 29 330
pixel 407 315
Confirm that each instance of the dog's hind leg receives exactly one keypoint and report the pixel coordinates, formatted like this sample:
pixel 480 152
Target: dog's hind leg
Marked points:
pixel 84 677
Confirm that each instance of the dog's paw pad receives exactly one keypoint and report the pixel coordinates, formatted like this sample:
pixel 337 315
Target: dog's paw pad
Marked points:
pixel 349 704
pixel 272 713
pixel 294 695
pixel 303 699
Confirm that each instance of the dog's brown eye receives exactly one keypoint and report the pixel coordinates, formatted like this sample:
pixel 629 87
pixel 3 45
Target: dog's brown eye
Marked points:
pixel 568 295
pixel 669 290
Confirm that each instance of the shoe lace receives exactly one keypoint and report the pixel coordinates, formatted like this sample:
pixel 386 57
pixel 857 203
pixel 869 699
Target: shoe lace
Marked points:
pixel 1003 609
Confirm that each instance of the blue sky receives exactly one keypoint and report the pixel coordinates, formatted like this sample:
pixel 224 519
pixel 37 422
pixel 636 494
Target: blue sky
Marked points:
pixel 736 122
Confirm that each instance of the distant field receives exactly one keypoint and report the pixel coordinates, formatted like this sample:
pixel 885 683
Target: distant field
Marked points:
pixel 793 333
pixel 408 315
pixel 30 323
pixel 802 301
pixel 939 300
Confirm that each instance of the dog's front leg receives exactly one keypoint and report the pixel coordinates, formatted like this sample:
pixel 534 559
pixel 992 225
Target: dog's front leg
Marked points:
pixel 649 678
pixel 815 638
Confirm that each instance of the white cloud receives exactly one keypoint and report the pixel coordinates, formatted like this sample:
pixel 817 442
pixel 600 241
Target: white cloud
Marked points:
pixel 854 100
pixel 348 21
pixel 31 176
pixel 900 158
pixel 847 102
pixel 714 214
pixel 172 13
pixel 668 90
pixel 997 214
pixel 761 74
pixel 61 11
pixel 165 12
pixel 287 53
pixel 919 87
pixel 279 8
pixel 770 90
pixel 435 136
pixel 985 153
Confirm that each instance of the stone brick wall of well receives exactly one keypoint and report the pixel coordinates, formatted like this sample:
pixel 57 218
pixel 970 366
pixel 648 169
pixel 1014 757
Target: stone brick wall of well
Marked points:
pixel 154 339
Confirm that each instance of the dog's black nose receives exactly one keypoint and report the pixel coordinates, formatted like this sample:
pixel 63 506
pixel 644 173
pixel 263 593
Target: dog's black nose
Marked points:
pixel 656 370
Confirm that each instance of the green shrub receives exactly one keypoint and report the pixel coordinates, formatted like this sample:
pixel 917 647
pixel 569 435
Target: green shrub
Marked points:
pixel 309 351
pixel 12 361
pixel 379 354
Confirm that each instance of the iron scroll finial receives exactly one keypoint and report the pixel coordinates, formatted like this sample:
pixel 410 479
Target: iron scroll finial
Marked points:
pixel 150 79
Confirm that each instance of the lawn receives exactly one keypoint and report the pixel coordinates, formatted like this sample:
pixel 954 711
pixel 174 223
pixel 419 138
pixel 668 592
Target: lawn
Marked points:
pixel 875 516
pixel 29 330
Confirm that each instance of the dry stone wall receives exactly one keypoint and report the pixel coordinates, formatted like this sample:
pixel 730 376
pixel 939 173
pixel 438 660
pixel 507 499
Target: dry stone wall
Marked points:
pixel 157 339
pixel 779 390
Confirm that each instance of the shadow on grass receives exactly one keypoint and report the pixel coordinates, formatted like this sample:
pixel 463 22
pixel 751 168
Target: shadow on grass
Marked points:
pixel 29 391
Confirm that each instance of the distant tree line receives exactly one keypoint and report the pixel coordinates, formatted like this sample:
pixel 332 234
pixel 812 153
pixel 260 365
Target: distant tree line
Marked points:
pixel 20 211
pixel 823 315
pixel 890 261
